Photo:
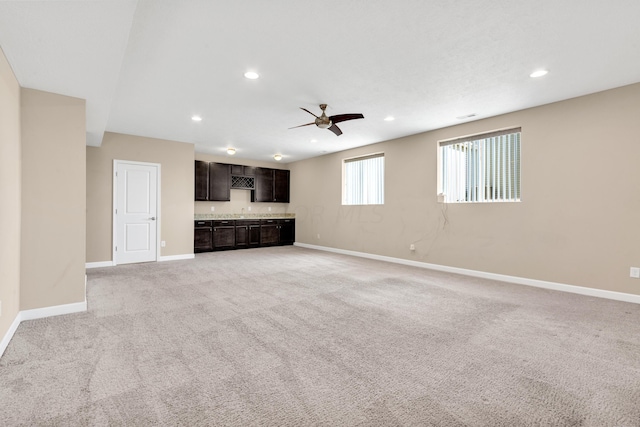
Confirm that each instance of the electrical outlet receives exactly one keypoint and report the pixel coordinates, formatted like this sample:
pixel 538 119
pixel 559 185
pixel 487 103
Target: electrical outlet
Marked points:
pixel 213 208
pixel 318 235
pixel 412 247
pixel 634 272
pixel 163 243
pixel 269 208
pixel 249 209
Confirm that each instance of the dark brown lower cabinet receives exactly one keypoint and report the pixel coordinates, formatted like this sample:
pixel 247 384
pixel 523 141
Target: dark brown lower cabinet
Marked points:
pixel 247 233
pixel 202 236
pixel 224 235
pixel 218 235
pixel 242 235
pixel 269 232
pixel 287 231
pixel 254 235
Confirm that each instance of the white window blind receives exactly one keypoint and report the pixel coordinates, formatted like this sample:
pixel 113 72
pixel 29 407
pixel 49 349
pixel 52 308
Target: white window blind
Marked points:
pixel 363 180
pixel 482 168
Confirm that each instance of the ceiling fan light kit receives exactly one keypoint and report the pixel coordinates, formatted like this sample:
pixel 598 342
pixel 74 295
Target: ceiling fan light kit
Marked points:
pixel 329 122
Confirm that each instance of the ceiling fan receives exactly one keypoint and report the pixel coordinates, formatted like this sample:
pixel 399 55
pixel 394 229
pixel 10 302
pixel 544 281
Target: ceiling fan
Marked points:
pixel 329 122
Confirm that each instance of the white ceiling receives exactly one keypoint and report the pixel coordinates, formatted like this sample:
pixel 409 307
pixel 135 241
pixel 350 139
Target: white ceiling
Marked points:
pixel 145 67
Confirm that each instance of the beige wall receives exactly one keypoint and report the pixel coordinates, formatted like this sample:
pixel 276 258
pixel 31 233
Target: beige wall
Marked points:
pixel 240 199
pixel 176 195
pixel 577 223
pixel 9 195
pixel 53 200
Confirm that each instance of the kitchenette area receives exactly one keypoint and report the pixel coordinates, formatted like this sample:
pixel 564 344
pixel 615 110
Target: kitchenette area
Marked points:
pixel 257 187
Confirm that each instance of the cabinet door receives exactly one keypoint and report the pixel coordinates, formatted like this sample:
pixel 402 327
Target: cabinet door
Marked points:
pixel 202 180
pixel 287 231
pixel 263 186
pixel 224 235
pixel 254 235
pixel 202 240
pixel 281 186
pixel 242 236
pixel 237 170
pixel 219 182
pixel 269 232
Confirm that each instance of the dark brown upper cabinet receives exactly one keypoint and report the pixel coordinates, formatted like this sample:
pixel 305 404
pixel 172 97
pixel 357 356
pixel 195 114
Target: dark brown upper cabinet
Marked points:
pixel 271 185
pixel 281 186
pixel 219 182
pixel 263 186
pixel 241 170
pixel 202 180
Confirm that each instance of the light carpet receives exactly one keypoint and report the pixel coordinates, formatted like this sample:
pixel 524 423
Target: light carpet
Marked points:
pixel 288 336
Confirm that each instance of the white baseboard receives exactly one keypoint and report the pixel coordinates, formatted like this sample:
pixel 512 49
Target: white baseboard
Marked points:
pixel 39 313
pixel 56 310
pixel 160 259
pixel 600 293
pixel 99 264
pixel 7 337
pixel 176 257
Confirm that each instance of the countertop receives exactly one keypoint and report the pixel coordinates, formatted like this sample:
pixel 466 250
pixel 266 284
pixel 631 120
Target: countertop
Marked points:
pixel 200 217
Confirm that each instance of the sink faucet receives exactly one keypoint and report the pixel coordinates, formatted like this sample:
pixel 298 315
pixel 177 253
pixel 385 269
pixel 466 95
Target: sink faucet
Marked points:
pixel 242 213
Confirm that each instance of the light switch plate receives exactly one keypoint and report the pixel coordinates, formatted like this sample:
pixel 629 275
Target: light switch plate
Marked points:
pixel 634 272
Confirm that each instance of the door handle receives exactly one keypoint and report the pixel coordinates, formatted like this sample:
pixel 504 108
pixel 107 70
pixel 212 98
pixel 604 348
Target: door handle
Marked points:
pixel 153 218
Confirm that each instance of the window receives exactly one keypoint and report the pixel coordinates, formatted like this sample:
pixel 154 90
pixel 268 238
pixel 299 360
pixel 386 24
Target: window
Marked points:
pixel 481 168
pixel 363 180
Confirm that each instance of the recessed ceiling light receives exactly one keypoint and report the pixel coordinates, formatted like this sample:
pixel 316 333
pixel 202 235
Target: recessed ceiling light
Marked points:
pixel 278 157
pixel 389 119
pixel 538 73
pixel 251 75
pixel 196 118
pixel 314 140
pixel 231 151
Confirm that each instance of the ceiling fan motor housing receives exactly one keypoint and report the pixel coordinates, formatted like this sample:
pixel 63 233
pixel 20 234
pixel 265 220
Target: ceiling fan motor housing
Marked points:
pixel 323 121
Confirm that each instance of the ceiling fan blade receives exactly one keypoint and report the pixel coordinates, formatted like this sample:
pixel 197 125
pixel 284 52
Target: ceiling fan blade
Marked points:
pixel 308 111
pixel 335 129
pixel 344 117
pixel 312 123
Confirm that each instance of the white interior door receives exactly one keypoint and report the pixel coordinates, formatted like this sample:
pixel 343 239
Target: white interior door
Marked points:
pixel 136 212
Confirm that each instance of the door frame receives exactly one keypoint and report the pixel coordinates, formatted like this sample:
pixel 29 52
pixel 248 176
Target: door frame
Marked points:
pixel 114 205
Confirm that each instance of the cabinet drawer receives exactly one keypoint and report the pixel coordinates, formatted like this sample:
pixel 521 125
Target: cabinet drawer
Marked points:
pixel 223 223
pixel 247 222
pixel 203 223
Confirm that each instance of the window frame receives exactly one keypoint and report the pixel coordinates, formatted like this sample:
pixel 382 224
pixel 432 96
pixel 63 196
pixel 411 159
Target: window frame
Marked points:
pixel 345 161
pixel 517 178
